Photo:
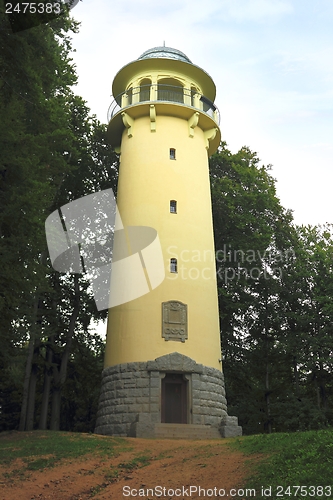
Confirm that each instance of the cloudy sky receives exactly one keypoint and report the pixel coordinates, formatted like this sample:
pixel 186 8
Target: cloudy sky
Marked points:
pixel 272 63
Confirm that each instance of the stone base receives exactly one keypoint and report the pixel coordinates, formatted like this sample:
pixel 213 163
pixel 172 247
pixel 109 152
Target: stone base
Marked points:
pixel 143 427
pixel 130 401
pixel 230 428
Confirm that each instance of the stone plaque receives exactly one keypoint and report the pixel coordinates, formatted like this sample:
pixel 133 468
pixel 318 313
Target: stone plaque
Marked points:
pixel 174 321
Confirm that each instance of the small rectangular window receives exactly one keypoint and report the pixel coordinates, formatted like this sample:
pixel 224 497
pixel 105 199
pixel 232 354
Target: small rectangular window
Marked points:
pixel 173 206
pixel 172 154
pixel 173 265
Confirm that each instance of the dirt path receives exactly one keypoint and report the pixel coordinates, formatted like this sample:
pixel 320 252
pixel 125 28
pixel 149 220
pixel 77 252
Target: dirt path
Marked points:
pixel 143 472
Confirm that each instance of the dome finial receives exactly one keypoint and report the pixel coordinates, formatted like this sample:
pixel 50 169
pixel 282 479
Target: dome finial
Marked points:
pixel 164 52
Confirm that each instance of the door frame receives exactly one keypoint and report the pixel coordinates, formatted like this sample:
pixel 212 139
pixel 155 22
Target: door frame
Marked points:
pixel 187 416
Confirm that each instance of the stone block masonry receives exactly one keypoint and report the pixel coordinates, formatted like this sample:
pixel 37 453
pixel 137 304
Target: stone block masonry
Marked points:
pixel 130 400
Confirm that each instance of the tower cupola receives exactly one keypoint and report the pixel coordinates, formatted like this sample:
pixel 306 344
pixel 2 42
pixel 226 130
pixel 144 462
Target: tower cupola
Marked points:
pixel 164 81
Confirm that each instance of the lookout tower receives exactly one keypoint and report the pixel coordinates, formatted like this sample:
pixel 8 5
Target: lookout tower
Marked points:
pixel 163 368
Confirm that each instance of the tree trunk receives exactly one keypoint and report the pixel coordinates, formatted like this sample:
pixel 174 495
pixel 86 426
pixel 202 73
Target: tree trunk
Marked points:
pixel 55 413
pixel 322 385
pixel 26 383
pixel 29 386
pixel 46 390
pixel 267 398
pixel 31 399
pixel 28 369
pixel 296 375
pixel 59 375
pixel 267 390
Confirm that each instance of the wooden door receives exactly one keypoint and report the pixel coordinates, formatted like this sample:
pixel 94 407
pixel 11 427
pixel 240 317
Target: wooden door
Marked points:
pixel 174 399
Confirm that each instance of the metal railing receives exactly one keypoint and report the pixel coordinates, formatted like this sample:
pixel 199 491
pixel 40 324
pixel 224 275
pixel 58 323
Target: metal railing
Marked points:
pixel 163 92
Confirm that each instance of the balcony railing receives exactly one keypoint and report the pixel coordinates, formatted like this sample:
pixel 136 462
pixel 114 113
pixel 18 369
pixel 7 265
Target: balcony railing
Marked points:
pixel 162 92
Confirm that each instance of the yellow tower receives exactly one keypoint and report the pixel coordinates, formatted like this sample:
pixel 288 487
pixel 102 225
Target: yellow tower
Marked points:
pixel 163 370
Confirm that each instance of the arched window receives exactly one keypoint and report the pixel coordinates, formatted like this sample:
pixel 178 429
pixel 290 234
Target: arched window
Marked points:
pixel 173 206
pixel 145 90
pixel 173 265
pixel 170 89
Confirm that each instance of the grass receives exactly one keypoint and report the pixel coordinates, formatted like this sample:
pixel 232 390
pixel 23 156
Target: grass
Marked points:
pixel 135 463
pixel 288 460
pixel 42 449
pixel 38 450
pixel 291 460
pixel 112 475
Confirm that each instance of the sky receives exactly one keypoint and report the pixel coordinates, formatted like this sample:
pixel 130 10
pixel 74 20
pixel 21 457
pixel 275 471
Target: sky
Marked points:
pixel 271 61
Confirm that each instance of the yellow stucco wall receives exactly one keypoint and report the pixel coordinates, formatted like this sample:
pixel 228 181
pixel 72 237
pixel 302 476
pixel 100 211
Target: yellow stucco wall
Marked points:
pixel 148 180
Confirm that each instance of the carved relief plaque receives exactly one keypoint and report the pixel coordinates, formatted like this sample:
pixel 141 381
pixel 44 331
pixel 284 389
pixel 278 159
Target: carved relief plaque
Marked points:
pixel 174 321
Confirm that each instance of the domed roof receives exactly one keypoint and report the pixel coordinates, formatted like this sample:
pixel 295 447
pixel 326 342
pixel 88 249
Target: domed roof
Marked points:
pixel 165 52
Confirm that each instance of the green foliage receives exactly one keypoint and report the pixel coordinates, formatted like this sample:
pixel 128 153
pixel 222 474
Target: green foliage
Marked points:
pixel 51 152
pixel 247 219
pixel 275 298
pixel 246 216
pixel 41 449
pixel 301 458
pixel 82 389
pixel 135 463
pixel 33 138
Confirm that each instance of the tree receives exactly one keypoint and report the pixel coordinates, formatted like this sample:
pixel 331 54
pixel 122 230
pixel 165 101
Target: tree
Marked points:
pixel 94 168
pixel 307 297
pixel 51 152
pixel 36 75
pixel 275 286
pixel 252 235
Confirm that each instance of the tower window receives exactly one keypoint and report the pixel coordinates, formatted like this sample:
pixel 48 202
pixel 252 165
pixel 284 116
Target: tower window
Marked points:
pixel 173 206
pixel 172 154
pixel 173 265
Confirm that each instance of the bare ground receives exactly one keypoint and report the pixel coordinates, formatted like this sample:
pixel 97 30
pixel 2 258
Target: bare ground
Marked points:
pixel 171 464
